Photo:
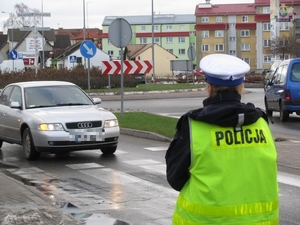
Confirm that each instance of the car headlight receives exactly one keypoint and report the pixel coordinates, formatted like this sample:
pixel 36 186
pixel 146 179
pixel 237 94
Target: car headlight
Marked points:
pixel 111 123
pixel 50 127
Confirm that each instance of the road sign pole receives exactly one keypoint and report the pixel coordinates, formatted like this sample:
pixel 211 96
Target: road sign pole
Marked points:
pixel 122 81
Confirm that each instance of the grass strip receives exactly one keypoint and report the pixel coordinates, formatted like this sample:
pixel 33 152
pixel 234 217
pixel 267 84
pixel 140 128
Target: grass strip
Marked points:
pixel 148 122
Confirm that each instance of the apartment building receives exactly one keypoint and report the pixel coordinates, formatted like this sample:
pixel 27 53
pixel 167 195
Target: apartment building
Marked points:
pixel 175 33
pixel 243 30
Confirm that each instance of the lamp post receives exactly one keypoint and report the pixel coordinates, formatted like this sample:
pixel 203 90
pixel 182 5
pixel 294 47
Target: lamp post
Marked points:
pixel 152 21
pixel 12 36
pixel 87 14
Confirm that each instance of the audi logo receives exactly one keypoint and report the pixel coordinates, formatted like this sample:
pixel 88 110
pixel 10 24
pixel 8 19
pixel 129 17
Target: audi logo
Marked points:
pixel 84 125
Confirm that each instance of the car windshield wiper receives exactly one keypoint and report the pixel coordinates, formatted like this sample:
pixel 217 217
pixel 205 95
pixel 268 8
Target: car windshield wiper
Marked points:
pixel 68 104
pixel 39 106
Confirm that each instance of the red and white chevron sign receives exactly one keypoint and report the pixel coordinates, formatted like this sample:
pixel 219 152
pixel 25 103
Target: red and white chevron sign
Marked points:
pixel 129 67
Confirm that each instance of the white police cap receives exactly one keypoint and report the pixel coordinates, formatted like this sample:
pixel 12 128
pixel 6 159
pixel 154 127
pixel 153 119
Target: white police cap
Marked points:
pixel 223 69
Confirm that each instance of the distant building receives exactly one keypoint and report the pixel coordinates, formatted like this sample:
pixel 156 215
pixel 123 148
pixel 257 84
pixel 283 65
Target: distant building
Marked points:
pixel 173 32
pixel 242 30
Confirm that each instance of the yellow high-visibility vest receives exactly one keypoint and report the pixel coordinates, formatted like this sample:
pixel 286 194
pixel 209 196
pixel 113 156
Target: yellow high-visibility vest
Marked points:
pixel 233 177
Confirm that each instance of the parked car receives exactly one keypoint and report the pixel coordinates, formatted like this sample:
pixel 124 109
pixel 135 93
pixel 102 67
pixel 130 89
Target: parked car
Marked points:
pixel 55 116
pixel 282 91
pixel 270 72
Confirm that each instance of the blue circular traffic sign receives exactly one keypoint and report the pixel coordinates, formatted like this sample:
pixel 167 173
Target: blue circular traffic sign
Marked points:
pixel 88 49
pixel 13 54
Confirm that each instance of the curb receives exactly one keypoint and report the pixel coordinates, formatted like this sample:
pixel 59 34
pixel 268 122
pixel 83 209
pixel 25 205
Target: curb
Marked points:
pixel 144 134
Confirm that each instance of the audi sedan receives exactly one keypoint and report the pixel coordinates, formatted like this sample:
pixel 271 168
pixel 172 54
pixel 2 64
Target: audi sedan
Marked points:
pixel 55 116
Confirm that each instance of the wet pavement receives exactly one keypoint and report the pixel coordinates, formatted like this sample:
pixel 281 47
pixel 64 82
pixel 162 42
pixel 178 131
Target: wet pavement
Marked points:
pixel 23 201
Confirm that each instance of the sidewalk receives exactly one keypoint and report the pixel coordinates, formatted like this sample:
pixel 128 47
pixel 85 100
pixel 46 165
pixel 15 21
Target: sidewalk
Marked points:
pixel 21 204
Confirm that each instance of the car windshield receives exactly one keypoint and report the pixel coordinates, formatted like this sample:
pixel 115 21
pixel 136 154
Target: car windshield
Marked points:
pixel 51 96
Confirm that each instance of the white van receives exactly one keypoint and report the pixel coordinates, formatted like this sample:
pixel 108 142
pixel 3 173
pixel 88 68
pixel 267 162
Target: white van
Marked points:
pixel 12 65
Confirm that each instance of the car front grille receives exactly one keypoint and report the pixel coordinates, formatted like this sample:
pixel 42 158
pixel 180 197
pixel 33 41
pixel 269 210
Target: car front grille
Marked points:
pixel 84 124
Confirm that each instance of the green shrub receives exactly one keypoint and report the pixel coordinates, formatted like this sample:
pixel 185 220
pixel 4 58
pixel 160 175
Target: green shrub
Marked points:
pixel 77 75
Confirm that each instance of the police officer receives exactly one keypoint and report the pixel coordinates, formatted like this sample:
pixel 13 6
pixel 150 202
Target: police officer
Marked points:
pixel 222 158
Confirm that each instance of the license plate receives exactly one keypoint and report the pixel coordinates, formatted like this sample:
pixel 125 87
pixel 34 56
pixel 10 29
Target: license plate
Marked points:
pixel 79 135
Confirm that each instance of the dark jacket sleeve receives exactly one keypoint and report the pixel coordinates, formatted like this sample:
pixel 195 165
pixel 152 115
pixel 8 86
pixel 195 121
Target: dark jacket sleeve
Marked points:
pixel 178 156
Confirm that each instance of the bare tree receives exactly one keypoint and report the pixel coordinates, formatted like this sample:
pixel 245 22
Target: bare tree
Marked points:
pixel 284 45
pixel 15 21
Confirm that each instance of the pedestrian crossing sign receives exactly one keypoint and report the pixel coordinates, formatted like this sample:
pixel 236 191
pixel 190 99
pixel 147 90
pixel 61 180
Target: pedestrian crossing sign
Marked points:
pixel 73 58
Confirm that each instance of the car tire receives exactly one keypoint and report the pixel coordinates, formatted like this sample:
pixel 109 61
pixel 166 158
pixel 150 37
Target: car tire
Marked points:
pixel 1 142
pixel 109 150
pixel 28 146
pixel 268 111
pixel 283 114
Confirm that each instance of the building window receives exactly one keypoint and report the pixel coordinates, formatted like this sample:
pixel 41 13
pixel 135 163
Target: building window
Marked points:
pixel 143 27
pixel 245 47
pixel 266 10
pixel 170 50
pixel 156 40
pixel 205 19
pixel 156 28
pixel 266 26
pixel 181 40
pixel 219 48
pixel 143 40
pixel 181 51
pixel 232 25
pixel 219 33
pixel 109 42
pixel 192 32
pixel 219 19
pixel 169 27
pixel 193 44
pixel 181 27
pixel 110 52
pixel 245 33
pixel 205 33
pixel 286 56
pixel 231 39
pixel 267 58
pixel 169 40
pixel 244 19
pixel 284 26
pixel 232 52
pixel 247 60
pixel 267 43
pixel 205 48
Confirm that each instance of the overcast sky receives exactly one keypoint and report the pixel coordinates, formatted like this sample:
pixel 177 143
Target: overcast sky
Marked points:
pixel 69 13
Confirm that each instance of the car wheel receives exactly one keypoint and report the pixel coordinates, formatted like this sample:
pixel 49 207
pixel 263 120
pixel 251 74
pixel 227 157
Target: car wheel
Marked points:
pixel 268 111
pixel 1 142
pixel 28 146
pixel 283 114
pixel 109 150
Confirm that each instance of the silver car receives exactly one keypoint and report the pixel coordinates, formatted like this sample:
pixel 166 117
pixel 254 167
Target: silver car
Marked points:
pixel 55 116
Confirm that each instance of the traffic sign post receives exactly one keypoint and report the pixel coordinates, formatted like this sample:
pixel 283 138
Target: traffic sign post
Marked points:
pixel 88 50
pixel 120 35
pixel 192 56
pixel 13 54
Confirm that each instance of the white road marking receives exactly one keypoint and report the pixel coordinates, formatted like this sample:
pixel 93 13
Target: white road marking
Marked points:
pixel 290 179
pixel 81 166
pixel 141 162
pixel 156 148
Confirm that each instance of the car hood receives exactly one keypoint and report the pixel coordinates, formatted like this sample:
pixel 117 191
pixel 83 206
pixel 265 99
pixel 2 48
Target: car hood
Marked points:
pixel 65 114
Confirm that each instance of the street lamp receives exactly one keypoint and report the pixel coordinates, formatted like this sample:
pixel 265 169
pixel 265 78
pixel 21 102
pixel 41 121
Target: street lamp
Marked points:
pixel 12 36
pixel 87 13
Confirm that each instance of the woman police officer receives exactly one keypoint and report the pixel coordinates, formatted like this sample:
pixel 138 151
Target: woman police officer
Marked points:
pixel 222 158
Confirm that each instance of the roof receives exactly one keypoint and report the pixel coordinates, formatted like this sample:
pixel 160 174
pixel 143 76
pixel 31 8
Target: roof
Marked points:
pixel 18 35
pixel 224 9
pixel 77 34
pixel 158 19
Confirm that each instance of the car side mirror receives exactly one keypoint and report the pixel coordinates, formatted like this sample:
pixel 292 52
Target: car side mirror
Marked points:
pixel 97 100
pixel 15 105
